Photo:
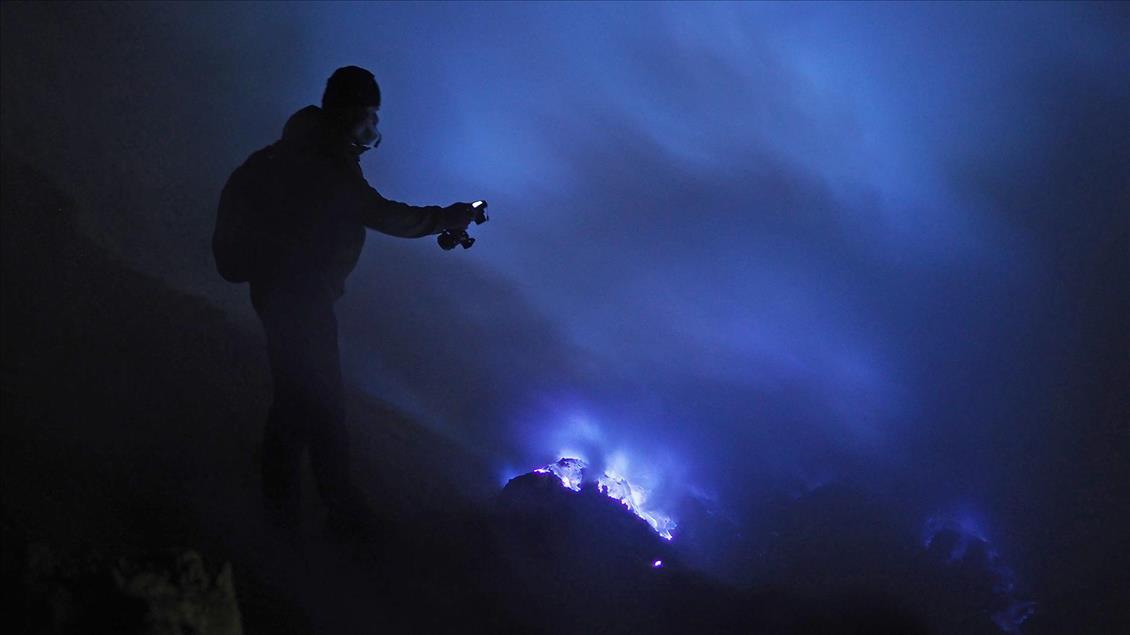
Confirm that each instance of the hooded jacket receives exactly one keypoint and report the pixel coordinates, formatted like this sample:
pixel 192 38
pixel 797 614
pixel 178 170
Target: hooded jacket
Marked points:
pixel 312 204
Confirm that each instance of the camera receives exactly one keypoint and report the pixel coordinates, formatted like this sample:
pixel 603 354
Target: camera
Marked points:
pixel 448 239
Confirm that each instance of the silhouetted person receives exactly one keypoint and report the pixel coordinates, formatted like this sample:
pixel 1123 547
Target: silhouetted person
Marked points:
pixel 311 207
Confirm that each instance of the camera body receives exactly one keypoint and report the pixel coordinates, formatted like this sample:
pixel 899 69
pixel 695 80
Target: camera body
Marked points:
pixel 448 239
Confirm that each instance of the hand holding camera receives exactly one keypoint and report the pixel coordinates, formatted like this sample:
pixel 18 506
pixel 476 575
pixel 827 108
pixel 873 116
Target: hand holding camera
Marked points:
pixel 449 238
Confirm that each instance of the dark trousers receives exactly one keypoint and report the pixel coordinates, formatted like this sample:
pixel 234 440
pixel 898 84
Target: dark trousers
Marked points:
pixel 308 411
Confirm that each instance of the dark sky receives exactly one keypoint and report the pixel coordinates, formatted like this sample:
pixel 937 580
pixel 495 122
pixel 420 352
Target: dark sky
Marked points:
pixel 733 247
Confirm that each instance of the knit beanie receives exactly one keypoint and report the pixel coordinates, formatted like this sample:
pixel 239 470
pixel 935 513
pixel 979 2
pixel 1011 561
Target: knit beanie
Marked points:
pixel 351 87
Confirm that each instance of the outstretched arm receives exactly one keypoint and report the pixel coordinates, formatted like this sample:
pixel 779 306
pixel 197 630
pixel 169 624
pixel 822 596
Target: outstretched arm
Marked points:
pixel 407 221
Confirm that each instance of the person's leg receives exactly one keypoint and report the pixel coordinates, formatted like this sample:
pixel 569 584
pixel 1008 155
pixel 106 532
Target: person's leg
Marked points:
pixel 329 443
pixel 286 433
pixel 283 445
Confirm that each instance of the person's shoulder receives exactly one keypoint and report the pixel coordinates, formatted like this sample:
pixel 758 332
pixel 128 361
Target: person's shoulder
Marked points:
pixel 260 158
pixel 305 116
pixel 305 127
pixel 299 134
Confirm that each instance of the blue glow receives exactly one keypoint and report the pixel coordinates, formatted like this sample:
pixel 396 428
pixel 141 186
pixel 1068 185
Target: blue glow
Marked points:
pixel 743 220
pixel 742 249
pixel 573 473
pixel 969 529
pixel 736 248
pixel 737 243
pixel 966 525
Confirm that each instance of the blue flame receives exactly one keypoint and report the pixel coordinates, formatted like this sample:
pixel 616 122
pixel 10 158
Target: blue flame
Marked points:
pixel 572 472
pixel 969 530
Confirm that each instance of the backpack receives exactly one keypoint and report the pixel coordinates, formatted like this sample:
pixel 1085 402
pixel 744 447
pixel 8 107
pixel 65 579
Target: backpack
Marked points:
pixel 236 238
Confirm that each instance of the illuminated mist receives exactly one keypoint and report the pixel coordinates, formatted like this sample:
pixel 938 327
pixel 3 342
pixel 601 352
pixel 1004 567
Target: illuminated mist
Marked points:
pixel 739 254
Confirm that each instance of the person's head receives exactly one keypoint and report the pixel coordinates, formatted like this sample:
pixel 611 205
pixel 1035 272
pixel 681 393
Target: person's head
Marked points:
pixel 352 99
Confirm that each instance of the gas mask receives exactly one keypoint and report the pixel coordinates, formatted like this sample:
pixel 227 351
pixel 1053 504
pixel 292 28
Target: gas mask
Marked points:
pixel 365 133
